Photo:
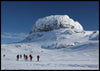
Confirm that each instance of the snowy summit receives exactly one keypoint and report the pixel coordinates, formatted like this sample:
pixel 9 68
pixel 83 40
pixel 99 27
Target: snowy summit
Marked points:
pixel 55 22
pixel 51 25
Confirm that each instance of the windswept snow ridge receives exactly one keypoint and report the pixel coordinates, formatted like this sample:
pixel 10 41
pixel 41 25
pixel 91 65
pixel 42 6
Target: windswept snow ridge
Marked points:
pixel 55 22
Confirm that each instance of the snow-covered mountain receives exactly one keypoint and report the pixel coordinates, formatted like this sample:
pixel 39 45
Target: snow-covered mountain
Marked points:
pixel 54 24
pixel 61 43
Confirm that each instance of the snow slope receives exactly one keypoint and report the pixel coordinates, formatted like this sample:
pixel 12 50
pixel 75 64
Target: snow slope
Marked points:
pixel 61 44
pixel 81 53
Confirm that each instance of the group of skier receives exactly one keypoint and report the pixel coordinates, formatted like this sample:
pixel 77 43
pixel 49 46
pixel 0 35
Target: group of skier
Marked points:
pixel 26 57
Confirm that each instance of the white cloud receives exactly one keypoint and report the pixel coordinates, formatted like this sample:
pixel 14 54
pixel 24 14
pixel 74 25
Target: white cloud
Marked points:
pixel 14 35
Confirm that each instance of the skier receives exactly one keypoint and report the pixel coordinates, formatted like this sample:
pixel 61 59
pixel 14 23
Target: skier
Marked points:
pixel 4 55
pixel 17 57
pixel 26 57
pixel 30 57
pixel 38 58
pixel 20 56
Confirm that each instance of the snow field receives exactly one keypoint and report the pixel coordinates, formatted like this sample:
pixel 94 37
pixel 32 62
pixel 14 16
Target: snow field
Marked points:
pixel 65 58
pixel 61 43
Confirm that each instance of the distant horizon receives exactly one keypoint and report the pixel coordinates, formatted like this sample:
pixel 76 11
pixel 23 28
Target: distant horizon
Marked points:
pixel 18 17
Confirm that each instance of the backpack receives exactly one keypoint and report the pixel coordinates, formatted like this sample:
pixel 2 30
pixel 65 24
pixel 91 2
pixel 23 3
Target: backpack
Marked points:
pixel 26 57
pixel 37 56
pixel 31 56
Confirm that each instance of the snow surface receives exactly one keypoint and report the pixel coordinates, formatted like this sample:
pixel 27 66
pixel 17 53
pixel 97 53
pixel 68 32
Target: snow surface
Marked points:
pixel 61 43
pixel 55 22
pixel 81 52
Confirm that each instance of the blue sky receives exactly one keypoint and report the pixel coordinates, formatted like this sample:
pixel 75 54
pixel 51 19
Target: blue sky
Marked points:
pixel 18 17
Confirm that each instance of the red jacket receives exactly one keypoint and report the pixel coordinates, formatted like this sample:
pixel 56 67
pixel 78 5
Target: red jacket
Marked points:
pixel 38 57
pixel 26 57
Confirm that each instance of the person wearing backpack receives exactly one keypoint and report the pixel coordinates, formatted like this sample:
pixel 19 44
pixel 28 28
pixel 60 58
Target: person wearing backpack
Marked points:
pixel 26 57
pixel 38 58
pixel 20 56
pixel 17 57
pixel 30 57
pixel 3 55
